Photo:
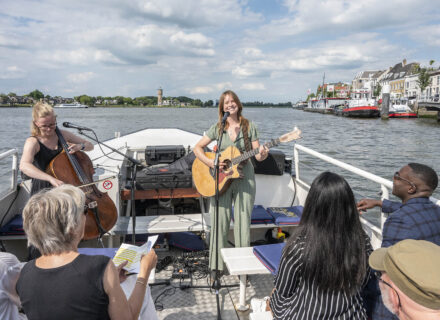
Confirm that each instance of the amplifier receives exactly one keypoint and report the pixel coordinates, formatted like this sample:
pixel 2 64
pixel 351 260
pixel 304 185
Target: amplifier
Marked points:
pixel 163 154
pixel 274 164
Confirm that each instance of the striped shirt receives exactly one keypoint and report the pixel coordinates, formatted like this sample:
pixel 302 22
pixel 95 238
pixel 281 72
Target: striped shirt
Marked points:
pixel 295 298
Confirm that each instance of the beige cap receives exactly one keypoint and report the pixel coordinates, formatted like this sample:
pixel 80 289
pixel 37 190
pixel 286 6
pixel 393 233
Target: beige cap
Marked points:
pixel 414 267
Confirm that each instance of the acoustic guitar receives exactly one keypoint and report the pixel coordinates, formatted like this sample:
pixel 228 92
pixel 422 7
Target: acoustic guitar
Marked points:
pixel 204 176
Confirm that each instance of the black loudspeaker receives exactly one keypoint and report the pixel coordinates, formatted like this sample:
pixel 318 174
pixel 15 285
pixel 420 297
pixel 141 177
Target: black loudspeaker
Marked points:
pixel 274 164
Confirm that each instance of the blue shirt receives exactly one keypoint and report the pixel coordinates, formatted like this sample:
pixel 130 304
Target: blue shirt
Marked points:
pixel 418 218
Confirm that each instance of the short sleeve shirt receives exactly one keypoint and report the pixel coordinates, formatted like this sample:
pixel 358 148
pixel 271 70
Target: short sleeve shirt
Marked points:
pixel 212 134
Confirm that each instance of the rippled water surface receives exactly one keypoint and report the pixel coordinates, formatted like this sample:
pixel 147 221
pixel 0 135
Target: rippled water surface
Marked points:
pixel 375 145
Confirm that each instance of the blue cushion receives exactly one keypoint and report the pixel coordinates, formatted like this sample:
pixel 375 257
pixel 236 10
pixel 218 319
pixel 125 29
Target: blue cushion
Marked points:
pixel 13 227
pixel 270 255
pixel 186 241
pixel 109 252
pixel 286 216
pixel 259 215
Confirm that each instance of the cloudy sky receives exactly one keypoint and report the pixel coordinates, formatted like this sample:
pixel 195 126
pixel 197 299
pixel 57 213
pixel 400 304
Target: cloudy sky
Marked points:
pixel 266 50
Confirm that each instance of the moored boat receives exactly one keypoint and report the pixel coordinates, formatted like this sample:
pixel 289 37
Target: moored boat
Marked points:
pixel 400 109
pixel 361 108
pixel 70 105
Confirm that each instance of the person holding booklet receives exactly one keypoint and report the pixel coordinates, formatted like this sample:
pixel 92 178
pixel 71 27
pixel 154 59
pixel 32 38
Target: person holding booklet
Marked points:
pixel 63 284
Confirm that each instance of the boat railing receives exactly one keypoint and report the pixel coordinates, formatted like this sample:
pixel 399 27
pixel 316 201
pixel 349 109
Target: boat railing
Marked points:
pixel 383 184
pixel 13 155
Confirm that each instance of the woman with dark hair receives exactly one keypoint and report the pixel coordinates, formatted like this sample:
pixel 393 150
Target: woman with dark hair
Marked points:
pixel 324 265
pixel 241 133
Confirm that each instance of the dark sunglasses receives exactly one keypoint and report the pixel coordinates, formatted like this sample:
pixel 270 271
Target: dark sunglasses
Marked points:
pixel 398 177
pixel 379 278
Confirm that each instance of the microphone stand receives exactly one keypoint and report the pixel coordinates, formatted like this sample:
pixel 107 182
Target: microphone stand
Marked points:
pixel 133 164
pixel 216 285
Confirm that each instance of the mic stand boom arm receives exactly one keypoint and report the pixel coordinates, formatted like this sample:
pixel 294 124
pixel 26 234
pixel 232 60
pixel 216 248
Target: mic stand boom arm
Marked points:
pixel 134 164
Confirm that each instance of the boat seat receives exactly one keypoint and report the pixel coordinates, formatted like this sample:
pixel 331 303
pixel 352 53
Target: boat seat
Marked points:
pixel 259 215
pixel 13 229
pixel 270 255
pixel 286 216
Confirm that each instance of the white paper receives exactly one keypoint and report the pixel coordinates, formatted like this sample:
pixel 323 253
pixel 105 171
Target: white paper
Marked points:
pixel 133 254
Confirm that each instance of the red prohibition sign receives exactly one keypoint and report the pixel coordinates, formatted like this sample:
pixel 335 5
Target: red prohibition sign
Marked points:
pixel 107 184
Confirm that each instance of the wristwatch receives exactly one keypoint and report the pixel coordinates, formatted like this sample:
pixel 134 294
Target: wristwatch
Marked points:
pixel 83 146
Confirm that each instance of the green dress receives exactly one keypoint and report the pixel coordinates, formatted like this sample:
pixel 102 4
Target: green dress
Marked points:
pixel 241 193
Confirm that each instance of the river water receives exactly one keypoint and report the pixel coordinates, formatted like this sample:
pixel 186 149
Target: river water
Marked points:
pixel 378 146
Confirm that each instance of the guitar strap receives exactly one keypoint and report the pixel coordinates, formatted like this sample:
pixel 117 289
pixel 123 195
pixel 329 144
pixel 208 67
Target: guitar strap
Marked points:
pixel 245 129
pixel 247 142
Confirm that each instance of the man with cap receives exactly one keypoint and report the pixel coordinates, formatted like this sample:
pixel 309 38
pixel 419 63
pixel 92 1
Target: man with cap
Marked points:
pixel 416 217
pixel 409 278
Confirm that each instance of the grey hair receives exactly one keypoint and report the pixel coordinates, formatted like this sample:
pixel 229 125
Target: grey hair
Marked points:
pixel 51 218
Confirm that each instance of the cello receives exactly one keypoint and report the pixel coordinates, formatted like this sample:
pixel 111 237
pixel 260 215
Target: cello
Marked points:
pixel 77 169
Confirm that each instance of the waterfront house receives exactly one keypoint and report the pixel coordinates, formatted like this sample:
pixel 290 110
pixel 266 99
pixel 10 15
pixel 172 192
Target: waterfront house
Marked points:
pixel 395 78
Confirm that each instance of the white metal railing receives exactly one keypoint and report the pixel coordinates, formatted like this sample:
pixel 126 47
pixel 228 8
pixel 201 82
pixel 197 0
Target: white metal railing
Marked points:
pixel 14 154
pixel 384 184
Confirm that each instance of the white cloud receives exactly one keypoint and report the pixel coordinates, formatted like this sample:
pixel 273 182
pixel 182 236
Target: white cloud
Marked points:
pixel 253 86
pixel 193 13
pixel 80 77
pixel 330 17
pixel 215 88
pixel 428 35
pixel 12 72
pixel 201 90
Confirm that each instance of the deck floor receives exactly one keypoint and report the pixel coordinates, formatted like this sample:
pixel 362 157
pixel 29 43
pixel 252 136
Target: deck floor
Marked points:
pixel 200 303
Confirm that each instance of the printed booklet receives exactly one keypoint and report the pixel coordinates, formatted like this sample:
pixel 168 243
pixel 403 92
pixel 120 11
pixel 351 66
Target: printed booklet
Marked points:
pixel 133 254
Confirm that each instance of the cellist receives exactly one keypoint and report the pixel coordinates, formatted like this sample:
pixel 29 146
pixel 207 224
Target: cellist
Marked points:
pixel 41 147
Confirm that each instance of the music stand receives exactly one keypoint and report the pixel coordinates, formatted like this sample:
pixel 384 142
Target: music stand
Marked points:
pixel 133 164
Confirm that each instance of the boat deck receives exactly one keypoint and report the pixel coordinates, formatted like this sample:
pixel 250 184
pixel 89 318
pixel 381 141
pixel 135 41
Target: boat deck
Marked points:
pixel 200 303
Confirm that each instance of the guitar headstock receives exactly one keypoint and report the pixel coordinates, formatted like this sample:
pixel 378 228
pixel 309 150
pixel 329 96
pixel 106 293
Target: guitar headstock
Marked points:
pixel 292 135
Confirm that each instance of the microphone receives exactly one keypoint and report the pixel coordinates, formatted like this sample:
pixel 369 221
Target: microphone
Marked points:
pixel 74 126
pixel 225 116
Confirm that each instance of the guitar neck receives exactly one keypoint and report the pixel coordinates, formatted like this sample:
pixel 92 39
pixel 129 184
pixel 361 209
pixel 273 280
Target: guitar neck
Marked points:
pixel 248 154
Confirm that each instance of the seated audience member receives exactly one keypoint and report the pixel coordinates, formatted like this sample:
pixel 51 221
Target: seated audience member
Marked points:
pixel 416 217
pixel 10 269
pixel 63 284
pixel 324 264
pixel 410 278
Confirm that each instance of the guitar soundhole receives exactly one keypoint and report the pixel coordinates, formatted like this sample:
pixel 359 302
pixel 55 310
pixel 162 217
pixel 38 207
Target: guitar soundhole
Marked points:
pixel 225 169
pixel 228 165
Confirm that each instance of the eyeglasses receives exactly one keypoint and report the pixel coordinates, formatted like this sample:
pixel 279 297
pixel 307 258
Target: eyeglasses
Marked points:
pixel 379 277
pixel 398 177
pixel 47 126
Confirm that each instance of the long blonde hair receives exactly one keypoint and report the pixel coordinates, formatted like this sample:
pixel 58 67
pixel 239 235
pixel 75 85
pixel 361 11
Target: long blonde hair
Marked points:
pixel 40 110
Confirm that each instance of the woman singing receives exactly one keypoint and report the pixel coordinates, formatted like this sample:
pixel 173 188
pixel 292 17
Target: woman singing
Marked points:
pixel 238 132
pixel 43 145
pixel 324 265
